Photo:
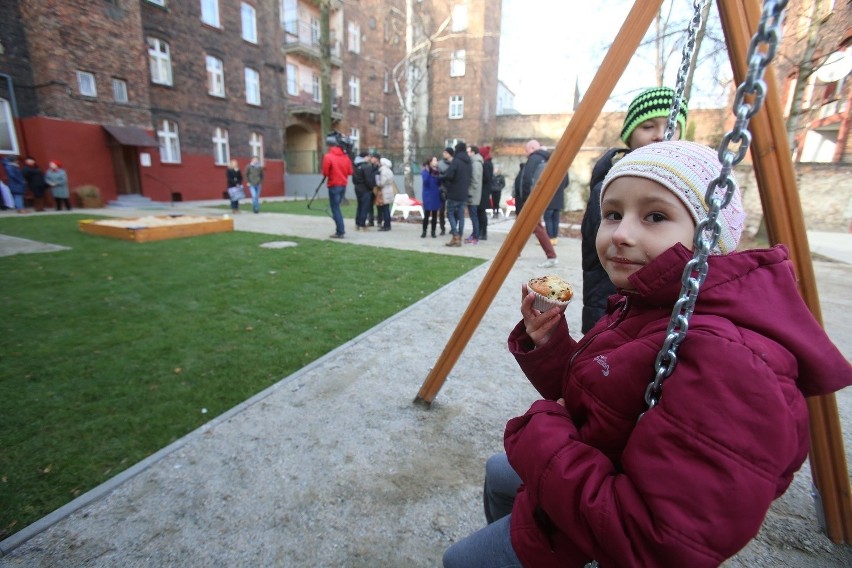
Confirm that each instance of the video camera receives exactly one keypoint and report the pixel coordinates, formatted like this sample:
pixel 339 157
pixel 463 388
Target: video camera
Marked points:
pixel 335 138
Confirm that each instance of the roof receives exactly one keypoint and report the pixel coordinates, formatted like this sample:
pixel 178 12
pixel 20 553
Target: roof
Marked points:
pixel 130 136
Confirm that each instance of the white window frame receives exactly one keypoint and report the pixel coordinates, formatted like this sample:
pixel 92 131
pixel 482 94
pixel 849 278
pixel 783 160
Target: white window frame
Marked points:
pixel 169 139
pixel 210 12
pixel 355 136
pixel 292 79
pixel 215 76
pixel 8 135
pixel 354 91
pixel 252 79
pixel 385 126
pixel 158 2
pixel 354 38
pixel 387 82
pixel 256 145
pixel 459 18
pixel 457 63
pixel 315 31
pixel 160 59
pixel 221 147
pixel 119 90
pixel 86 84
pixel 248 19
pixel 456 107
pixel 316 88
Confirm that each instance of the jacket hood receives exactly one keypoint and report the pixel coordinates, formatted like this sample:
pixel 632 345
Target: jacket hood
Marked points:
pixel 385 162
pixel 477 158
pixel 462 157
pixel 756 290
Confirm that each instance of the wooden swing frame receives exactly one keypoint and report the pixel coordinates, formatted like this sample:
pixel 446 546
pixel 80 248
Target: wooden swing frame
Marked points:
pixel 783 216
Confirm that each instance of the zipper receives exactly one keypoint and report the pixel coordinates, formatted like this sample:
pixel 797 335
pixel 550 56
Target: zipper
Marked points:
pixel 621 315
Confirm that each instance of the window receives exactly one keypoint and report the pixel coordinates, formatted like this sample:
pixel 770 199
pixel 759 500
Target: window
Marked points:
pixel 158 2
pixel 252 86
pixel 86 84
pixel 256 145
pixel 385 124
pixel 354 38
pixel 169 142
pixel 221 151
pixel 215 76
pixel 456 106
pixel 210 12
pixel 292 79
pixel 249 19
pixel 290 16
pixel 457 63
pixel 315 88
pixel 119 90
pixel 459 18
pixel 315 31
pixel 355 136
pixel 161 61
pixel 8 137
pixel 354 91
pixel 387 82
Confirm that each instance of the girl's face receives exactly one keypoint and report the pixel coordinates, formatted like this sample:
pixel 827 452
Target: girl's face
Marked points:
pixel 640 219
pixel 433 162
pixel 650 131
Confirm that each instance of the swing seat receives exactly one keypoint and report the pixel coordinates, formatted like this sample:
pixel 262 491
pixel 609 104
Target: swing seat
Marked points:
pixel 402 202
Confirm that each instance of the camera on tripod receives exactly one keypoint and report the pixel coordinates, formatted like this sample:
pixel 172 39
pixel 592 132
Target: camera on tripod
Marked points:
pixel 335 138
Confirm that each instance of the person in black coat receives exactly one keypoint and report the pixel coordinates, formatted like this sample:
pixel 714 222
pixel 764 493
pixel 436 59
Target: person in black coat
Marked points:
pixel 35 181
pixel 364 180
pixel 485 198
pixel 457 180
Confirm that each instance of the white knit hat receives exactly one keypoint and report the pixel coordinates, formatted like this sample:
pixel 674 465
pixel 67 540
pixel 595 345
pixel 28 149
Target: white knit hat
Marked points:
pixel 686 169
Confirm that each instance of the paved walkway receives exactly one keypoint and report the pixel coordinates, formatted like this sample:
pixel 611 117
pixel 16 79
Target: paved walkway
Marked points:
pixel 334 466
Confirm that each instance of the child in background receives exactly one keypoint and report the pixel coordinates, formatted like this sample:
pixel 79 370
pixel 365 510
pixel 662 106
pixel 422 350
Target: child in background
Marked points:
pixel 646 122
pixel 690 483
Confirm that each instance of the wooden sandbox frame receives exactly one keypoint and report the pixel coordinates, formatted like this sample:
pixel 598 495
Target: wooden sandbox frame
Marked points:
pixel 146 229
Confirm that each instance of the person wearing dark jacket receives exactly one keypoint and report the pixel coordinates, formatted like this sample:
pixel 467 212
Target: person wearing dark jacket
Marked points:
pixel 457 180
pixel 536 156
pixel 235 180
pixel 35 181
pixel 364 180
pixel 485 199
pixel 646 122
pixel 17 183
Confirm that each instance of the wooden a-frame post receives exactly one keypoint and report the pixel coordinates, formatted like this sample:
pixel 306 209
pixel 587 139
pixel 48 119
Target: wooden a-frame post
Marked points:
pixel 782 212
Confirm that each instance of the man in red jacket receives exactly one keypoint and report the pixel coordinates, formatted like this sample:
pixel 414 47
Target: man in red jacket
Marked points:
pixel 336 167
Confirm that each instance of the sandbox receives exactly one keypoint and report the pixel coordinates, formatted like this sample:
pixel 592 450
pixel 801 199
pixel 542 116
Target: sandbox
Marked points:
pixel 157 228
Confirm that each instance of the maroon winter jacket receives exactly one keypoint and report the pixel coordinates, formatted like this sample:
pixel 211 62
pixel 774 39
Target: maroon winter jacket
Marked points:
pixel 690 483
pixel 337 167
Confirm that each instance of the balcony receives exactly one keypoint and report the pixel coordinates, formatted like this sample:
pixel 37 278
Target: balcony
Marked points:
pixel 304 104
pixel 302 38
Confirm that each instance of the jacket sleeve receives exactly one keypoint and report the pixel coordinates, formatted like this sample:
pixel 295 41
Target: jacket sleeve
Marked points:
pixel 698 472
pixel 545 366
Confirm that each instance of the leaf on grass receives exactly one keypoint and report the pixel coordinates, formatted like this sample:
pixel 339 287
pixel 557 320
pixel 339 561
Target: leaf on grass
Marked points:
pixel 178 370
pixel 249 328
pixel 47 469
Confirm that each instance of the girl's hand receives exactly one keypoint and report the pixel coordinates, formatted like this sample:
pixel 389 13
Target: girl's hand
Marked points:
pixel 538 325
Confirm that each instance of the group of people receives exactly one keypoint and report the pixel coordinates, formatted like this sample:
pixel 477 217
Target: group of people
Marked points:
pixel 19 180
pixel 592 473
pixel 238 180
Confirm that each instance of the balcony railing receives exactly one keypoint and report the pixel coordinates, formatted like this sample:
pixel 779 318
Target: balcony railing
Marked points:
pixel 304 103
pixel 303 38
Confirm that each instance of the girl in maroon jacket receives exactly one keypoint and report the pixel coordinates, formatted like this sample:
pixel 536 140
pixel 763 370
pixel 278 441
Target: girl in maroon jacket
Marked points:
pixel 690 483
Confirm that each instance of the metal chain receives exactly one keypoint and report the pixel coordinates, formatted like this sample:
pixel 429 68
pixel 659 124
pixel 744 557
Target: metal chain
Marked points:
pixel 760 53
pixel 686 60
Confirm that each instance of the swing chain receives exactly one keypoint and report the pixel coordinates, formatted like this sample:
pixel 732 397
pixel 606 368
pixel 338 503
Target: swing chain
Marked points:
pixel 768 35
pixel 686 61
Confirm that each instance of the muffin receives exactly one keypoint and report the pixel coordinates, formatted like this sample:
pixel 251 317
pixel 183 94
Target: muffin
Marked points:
pixel 550 291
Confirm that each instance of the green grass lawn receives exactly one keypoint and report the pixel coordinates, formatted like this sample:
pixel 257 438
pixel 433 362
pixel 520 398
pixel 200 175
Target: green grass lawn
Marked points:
pixel 113 349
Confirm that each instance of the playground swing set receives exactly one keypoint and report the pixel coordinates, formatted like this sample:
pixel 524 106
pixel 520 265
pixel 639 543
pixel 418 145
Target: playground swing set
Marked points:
pixel 773 168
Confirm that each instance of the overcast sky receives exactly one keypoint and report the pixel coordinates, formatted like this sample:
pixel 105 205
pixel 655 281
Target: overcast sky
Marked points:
pixel 548 45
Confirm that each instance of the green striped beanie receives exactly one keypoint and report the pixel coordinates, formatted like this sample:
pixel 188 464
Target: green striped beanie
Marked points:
pixel 652 103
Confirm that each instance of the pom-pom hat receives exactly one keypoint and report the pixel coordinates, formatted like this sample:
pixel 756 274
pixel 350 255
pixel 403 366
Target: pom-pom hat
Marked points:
pixel 651 103
pixel 686 169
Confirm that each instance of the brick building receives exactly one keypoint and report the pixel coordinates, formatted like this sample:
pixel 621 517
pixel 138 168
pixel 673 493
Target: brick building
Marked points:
pixel 145 97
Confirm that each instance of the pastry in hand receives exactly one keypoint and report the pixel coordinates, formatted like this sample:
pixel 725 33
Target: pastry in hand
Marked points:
pixel 550 291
